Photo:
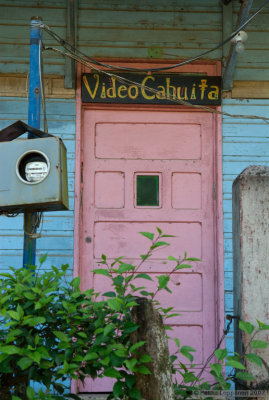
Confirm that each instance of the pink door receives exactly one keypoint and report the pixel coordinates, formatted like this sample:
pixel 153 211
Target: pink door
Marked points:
pixel 170 156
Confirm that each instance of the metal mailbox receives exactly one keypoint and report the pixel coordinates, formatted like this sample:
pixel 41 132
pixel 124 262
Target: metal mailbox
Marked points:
pixel 33 175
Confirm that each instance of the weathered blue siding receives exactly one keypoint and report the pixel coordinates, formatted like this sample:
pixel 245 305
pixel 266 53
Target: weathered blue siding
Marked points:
pixel 57 233
pixel 129 28
pixel 245 142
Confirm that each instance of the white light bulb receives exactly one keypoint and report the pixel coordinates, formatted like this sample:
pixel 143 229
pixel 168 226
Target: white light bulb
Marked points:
pixel 239 47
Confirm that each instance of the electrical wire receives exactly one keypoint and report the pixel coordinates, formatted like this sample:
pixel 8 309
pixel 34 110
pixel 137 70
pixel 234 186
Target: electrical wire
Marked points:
pixel 73 49
pixel 152 90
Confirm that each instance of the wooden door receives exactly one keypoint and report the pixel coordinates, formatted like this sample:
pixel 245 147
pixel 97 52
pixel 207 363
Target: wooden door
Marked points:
pixel 172 153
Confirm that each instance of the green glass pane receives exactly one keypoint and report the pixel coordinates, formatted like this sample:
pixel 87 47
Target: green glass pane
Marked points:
pixel 147 190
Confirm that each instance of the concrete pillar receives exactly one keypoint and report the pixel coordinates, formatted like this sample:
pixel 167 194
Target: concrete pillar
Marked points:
pixel 251 259
pixel 158 385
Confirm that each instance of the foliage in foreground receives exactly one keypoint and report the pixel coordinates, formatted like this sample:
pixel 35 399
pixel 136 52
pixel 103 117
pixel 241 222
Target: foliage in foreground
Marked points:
pixel 51 331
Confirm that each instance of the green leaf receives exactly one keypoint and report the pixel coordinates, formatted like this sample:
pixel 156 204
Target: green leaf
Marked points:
pixel 148 235
pixel 29 295
pixel 10 350
pixel 6 275
pixel 159 244
pixel 144 276
pixel 262 326
pixel 25 363
pixel 221 353
pixel 36 356
pixel 246 327
pixel 145 358
pixel 168 236
pixel 14 315
pixel 108 329
pixel 244 376
pixel 131 304
pixel 109 294
pixel 145 293
pixel 171 258
pixel 30 393
pixel 118 280
pixel 76 283
pixel 254 358
pixel 185 351
pixel 125 268
pixel 34 321
pixel 43 258
pixel 163 280
pixel 188 348
pixel 117 389
pixel 235 364
pixel 172 315
pixel 101 271
pixel 16 398
pixel 82 334
pixel 142 369
pixel 121 353
pixel 20 311
pixel 176 340
pixel 134 393
pixel 130 381
pixel 112 373
pixel 115 304
pixel 144 256
pixel 217 368
pixel 159 230
pixel 258 344
pixel 130 364
pixel 183 266
pixel 91 356
pixel 61 336
pixel 192 259
pixel 136 346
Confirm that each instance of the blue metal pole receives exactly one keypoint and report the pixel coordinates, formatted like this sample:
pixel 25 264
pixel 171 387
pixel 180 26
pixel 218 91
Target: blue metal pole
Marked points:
pixel 34 105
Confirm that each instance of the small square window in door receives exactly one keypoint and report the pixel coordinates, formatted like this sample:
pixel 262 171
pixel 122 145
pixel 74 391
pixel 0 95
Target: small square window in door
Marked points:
pixel 147 190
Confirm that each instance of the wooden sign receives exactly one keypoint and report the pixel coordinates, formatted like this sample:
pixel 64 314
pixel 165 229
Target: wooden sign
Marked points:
pixel 140 88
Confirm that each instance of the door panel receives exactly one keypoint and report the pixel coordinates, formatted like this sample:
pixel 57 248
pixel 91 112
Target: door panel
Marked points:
pixel 177 150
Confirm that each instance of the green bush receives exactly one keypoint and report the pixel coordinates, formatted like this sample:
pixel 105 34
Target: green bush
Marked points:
pixel 51 331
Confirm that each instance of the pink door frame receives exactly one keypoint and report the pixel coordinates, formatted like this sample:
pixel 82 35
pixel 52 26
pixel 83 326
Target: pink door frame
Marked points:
pixel 207 68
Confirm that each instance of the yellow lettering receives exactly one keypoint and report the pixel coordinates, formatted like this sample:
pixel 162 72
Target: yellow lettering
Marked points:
pixel 161 92
pixel 121 89
pixel 214 94
pixel 144 94
pixel 182 93
pixel 92 94
pixel 170 90
pixel 193 92
pixel 103 92
pixel 111 92
pixel 203 87
pixel 135 94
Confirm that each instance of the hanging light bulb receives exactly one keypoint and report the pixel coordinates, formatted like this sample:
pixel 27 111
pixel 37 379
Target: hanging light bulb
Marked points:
pixel 239 40
pixel 239 47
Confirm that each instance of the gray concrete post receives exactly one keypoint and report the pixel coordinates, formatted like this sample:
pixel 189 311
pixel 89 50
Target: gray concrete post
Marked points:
pixel 251 259
pixel 159 384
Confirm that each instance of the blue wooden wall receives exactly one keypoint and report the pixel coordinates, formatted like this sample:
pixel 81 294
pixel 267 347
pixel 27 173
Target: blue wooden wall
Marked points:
pixel 130 28
pixel 57 234
pixel 245 142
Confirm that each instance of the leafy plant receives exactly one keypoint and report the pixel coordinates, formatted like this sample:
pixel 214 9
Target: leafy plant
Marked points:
pixel 51 331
